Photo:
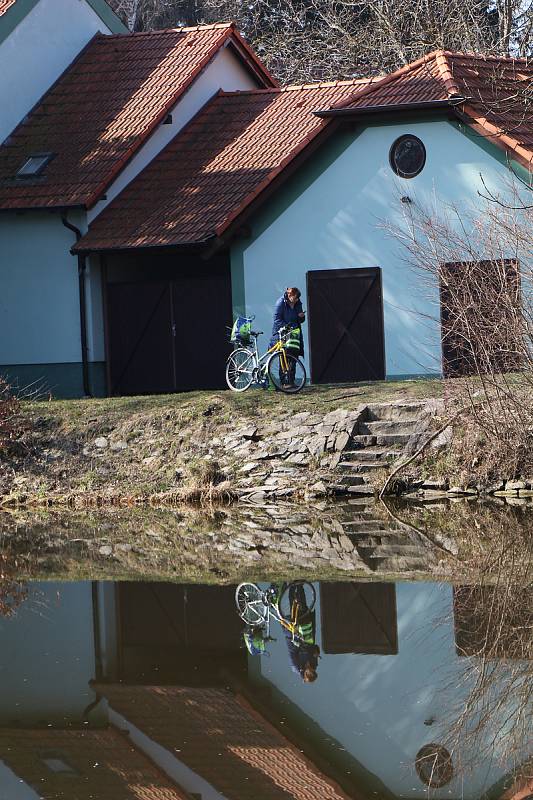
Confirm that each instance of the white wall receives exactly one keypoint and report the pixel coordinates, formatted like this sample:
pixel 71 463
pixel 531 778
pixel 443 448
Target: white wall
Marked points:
pixel 47 655
pixel 39 297
pixel 38 50
pixel 375 706
pixel 223 72
pixel 335 223
pixel 12 787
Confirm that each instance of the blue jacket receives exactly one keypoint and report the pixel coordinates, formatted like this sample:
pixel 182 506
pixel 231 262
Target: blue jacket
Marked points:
pixel 285 315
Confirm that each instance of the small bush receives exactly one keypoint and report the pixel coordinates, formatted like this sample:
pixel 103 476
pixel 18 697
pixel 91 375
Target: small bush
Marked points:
pixel 10 416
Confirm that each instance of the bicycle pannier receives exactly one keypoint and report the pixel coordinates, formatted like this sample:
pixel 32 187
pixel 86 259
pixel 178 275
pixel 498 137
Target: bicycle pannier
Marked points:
pixel 293 340
pixel 240 333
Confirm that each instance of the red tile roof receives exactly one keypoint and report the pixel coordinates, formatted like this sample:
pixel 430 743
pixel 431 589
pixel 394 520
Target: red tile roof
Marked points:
pixel 5 4
pixel 223 740
pixel 108 767
pixel 497 94
pixel 215 167
pixel 103 108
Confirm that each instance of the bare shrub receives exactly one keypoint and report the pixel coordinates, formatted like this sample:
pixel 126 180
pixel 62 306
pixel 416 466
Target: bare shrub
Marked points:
pixel 10 417
pixel 476 269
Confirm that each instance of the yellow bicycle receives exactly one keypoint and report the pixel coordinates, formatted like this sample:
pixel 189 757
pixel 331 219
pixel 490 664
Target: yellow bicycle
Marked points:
pixel 277 367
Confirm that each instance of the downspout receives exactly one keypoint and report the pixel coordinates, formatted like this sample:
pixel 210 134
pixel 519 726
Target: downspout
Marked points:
pixel 82 265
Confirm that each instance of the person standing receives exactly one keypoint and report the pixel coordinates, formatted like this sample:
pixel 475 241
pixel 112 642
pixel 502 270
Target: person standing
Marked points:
pixel 288 313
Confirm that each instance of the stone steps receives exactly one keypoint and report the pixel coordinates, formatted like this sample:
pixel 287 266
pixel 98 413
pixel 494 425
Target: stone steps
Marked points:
pixel 369 454
pixel 351 467
pixel 363 526
pixel 397 563
pixel 395 411
pixel 379 427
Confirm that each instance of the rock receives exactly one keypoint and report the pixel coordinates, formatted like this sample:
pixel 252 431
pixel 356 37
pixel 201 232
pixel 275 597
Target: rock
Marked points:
pixel 443 439
pixel 434 485
pixel 341 441
pixel 510 485
pixel 297 458
pixel 317 489
pixel 105 550
pixel 525 493
pixel 324 430
pixel 495 487
pixel 149 460
pixel 86 451
pixel 506 493
pixel 249 466
pixel 119 445
pixel 248 433
pixel 100 442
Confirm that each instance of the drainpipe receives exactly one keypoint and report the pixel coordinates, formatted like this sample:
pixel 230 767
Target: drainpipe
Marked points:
pixel 82 265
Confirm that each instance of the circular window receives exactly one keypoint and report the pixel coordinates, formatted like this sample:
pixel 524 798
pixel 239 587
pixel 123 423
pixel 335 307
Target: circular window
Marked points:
pixel 434 765
pixel 407 156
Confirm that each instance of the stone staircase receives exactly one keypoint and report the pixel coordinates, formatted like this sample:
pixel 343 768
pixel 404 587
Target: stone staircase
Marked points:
pixel 375 444
pixel 383 544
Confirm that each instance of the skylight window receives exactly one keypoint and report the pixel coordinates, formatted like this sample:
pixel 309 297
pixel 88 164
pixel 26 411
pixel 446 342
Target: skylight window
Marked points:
pixel 34 165
pixel 58 764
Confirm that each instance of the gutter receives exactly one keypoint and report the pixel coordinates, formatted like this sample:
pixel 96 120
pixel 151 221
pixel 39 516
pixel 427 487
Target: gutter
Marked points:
pixel 82 266
pixel 428 105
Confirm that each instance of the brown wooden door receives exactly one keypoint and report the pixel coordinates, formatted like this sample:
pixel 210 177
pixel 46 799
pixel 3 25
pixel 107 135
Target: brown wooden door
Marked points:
pixel 345 325
pixel 359 618
pixel 140 338
pixel 479 302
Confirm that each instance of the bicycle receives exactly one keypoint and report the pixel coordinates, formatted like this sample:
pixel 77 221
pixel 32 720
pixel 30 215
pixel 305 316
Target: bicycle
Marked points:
pixel 256 606
pixel 275 367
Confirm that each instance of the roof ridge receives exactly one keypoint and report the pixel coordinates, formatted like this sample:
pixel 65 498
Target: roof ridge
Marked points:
pixel 486 56
pixel 446 72
pixel 178 29
pixel 294 87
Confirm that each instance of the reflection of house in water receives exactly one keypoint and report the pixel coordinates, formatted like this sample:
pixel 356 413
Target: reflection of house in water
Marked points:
pixel 121 691
pixel 71 729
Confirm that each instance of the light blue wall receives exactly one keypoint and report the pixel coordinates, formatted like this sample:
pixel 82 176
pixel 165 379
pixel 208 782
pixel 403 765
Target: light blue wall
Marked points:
pixel 375 706
pixel 47 656
pixel 332 220
pixel 39 304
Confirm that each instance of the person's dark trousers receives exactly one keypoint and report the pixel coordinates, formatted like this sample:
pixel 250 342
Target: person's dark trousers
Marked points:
pixel 289 376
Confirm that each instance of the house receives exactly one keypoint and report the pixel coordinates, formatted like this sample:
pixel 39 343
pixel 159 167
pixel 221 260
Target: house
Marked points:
pixel 122 99
pixel 208 200
pixel 38 40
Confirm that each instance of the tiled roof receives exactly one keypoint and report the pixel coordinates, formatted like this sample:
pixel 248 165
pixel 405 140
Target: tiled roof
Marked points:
pixel 5 4
pixel 220 738
pixel 103 108
pixel 497 94
pixel 215 167
pixel 107 766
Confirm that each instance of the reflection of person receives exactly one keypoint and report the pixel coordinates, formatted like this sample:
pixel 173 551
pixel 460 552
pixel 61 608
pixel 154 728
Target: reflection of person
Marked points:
pixel 303 652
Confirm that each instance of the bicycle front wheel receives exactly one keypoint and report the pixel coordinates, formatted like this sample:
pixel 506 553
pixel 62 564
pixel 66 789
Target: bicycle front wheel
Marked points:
pixel 249 599
pixel 239 370
pixel 286 372
pixel 302 592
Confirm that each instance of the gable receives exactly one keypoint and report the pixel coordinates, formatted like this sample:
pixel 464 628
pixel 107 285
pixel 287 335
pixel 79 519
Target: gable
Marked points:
pixel 104 107
pixel 12 12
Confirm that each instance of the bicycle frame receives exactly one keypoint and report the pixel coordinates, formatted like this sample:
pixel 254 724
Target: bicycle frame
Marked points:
pixel 260 362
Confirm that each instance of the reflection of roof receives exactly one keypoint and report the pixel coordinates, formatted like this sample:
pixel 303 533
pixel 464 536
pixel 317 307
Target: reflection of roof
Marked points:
pixel 215 167
pixel 497 92
pixel 223 740
pixel 106 766
pixel 99 112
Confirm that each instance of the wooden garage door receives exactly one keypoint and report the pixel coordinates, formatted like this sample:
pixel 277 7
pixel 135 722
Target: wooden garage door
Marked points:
pixel 167 336
pixel 359 618
pixel 345 325
pixel 140 338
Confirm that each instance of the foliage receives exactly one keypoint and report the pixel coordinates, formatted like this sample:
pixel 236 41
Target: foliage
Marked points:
pixel 303 40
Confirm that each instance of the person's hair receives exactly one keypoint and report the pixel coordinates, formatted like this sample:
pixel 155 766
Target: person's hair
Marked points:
pixel 310 675
pixel 294 290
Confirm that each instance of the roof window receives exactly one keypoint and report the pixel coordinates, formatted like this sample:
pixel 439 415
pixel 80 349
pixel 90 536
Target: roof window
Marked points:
pixel 34 165
pixel 57 763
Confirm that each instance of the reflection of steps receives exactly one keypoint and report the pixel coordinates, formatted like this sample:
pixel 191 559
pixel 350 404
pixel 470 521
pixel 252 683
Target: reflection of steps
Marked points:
pixel 384 544
pixel 377 442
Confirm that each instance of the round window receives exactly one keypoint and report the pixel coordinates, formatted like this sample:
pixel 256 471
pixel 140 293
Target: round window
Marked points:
pixel 434 765
pixel 407 156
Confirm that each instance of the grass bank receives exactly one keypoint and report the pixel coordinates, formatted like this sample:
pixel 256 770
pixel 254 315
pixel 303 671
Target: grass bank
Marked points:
pixel 159 450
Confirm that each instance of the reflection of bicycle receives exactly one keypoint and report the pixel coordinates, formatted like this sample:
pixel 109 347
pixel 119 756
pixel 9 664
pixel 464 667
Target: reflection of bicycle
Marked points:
pixel 277 366
pixel 258 606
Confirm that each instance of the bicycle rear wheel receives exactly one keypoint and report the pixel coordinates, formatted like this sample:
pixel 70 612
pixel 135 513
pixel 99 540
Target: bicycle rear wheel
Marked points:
pixel 239 370
pixel 249 599
pixel 286 372
pixel 297 587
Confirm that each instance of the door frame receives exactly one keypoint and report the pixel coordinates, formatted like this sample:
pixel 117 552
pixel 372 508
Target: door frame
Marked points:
pixel 347 272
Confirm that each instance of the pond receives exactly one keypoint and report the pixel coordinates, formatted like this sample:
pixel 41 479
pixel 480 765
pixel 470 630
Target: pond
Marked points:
pixel 375 652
